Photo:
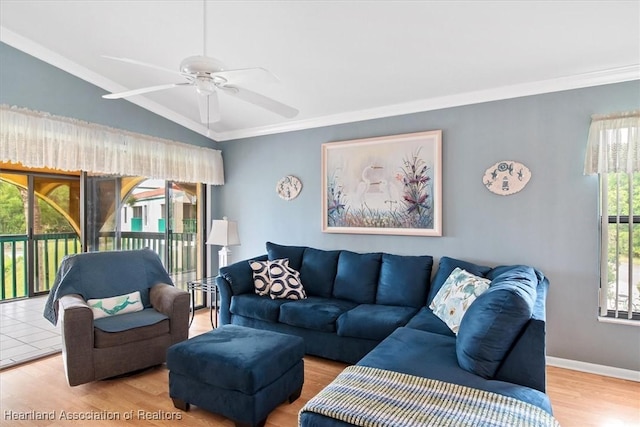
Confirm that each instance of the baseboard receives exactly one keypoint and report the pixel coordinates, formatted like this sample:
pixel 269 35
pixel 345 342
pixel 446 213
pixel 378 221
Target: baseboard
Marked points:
pixel 592 368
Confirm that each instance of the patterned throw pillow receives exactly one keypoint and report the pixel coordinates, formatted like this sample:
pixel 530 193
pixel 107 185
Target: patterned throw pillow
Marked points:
pixel 285 281
pixel 261 279
pixel 121 304
pixel 456 295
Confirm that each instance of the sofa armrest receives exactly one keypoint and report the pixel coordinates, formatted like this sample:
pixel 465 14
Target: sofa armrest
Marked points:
pixel 235 279
pixel 173 303
pixel 76 326
pixel 525 363
pixel 225 293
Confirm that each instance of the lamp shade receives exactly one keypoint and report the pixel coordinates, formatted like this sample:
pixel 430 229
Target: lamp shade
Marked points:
pixel 223 233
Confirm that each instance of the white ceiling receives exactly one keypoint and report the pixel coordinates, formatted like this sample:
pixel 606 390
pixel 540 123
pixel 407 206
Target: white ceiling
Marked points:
pixel 338 61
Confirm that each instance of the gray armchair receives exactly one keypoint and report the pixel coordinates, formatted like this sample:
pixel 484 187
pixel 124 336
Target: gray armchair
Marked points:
pixel 114 345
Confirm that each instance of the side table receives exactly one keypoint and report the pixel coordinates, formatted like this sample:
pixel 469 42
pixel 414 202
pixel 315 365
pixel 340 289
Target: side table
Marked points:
pixel 208 285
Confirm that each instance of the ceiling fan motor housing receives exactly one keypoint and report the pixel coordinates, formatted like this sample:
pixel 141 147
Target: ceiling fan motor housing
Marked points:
pixel 203 68
pixel 201 65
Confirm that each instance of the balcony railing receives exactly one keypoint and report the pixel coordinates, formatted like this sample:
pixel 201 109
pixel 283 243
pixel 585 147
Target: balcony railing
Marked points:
pixel 51 248
pixel 13 266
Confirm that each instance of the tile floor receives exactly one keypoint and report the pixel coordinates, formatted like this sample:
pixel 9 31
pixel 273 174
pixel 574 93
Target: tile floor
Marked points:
pixel 24 333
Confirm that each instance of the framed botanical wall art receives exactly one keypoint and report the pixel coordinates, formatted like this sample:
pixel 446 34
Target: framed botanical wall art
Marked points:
pixel 384 185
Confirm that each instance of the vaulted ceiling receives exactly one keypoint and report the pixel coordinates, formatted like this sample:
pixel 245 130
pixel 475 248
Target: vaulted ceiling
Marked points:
pixel 336 61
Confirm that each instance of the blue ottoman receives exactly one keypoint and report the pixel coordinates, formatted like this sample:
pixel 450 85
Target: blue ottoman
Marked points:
pixel 238 372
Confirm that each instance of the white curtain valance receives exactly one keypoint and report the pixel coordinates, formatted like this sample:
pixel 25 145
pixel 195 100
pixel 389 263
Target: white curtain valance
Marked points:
pixel 614 143
pixel 37 139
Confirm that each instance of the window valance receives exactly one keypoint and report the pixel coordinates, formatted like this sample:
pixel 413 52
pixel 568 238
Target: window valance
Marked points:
pixel 37 139
pixel 614 143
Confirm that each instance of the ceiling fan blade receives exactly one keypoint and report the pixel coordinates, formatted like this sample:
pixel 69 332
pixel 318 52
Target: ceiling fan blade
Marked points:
pixel 209 108
pixel 133 92
pixel 255 74
pixel 144 64
pixel 261 101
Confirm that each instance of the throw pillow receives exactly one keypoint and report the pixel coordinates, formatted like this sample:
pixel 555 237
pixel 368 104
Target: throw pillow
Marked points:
pixel 446 267
pixel 456 295
pixel 120 304
pixel 261 279
pixel 285 281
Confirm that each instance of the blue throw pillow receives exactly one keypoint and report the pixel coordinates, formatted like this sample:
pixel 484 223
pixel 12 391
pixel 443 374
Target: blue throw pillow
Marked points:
pixel 404 280
pixel 446 267
pixel 357 277
pixel 292 253
pixel 318 271
pixel 494 321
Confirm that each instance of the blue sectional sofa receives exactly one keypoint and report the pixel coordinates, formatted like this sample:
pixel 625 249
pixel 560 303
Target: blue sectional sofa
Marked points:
pixel 371 309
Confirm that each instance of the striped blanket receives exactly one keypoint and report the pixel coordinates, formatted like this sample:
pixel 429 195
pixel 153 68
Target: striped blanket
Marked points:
pixel 370 397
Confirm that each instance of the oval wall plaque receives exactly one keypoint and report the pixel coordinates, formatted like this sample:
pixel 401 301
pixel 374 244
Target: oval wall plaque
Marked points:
pixel 506 177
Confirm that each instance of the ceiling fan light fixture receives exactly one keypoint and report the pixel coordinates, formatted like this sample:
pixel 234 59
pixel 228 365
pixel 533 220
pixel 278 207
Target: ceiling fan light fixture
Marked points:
pixel 205 85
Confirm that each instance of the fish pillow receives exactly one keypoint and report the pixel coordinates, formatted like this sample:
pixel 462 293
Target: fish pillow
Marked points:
pixel 120 304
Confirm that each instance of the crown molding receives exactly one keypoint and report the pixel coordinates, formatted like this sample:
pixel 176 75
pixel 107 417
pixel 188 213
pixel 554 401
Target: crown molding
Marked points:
pixel 598 78
pixel 614 75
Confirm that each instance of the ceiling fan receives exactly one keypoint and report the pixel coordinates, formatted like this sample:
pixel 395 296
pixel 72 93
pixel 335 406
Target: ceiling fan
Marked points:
pixel 209 76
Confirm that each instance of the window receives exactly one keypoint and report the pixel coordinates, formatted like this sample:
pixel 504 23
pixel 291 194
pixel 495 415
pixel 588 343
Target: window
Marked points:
pixel 613 152
pixel 620 281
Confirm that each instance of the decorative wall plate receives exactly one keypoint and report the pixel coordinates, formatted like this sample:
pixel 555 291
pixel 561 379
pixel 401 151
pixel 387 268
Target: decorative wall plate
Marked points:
pixel 289 187
pixel 506 177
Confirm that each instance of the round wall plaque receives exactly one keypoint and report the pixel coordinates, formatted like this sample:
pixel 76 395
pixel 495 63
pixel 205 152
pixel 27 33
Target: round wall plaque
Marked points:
pixel 506 177
pixel 289 187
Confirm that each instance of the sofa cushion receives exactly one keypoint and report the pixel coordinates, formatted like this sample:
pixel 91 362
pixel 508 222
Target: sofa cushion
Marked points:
pixel 240 276
pixel 425 320
pixel 315 313
pixel 261 278
pixel 123 322
pixel 105 339
pixel 446 267
pixel 404 280
pixel 404 351
pixel 256 307
pixel 373 321
pixel 285 281
pixel 456 295
pixel 357 277
pixel 494 321
pixel 292 253
pixel 318 271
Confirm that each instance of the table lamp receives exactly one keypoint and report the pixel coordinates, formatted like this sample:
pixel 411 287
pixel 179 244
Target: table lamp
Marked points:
pixel 223 233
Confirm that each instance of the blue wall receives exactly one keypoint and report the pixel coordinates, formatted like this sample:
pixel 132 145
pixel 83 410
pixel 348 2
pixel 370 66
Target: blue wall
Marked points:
pixel 552 224
pixel 28 82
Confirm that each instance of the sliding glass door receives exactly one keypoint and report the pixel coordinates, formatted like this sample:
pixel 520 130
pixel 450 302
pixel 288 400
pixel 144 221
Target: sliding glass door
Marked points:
pixel 125 213
pixel 39 225
pixel 45 216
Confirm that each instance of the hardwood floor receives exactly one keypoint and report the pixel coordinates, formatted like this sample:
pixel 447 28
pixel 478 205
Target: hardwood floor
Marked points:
pixel 40 388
